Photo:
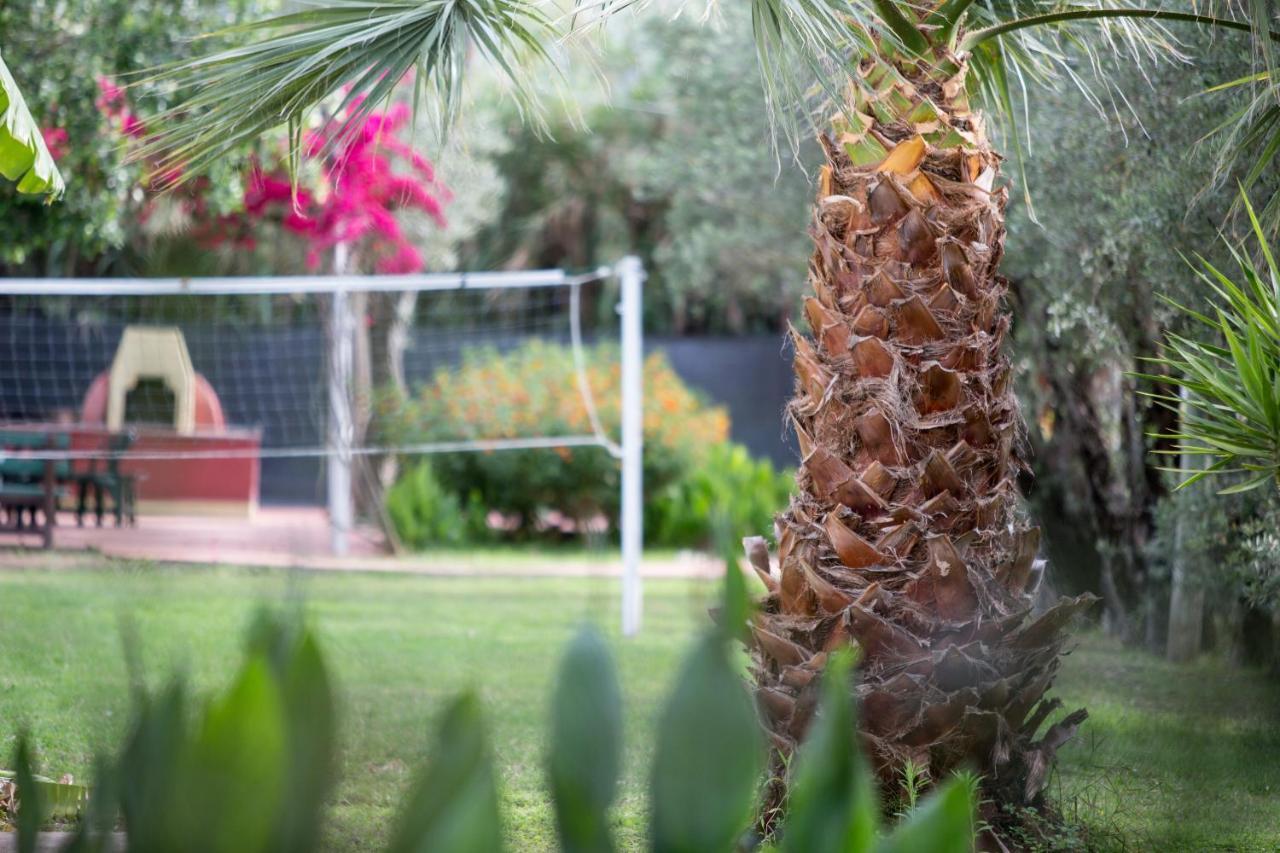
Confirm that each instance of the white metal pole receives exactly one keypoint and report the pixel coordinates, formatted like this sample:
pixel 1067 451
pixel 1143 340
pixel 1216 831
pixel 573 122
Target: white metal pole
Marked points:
pixel 631 277
pixel 341 422
pixel 208 285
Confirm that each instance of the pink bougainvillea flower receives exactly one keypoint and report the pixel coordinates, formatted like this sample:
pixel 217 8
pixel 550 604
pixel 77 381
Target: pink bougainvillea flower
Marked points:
pixel 131 125
pixel 55 139
pixel 365 193
pixel 358 199
pixel 110 97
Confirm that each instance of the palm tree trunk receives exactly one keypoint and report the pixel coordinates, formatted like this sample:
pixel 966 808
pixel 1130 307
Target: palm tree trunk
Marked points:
pixel 905 534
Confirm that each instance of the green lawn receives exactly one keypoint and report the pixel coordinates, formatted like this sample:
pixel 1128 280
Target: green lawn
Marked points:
pixel 1172 758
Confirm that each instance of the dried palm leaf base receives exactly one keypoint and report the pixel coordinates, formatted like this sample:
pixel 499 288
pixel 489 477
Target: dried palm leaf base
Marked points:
pixel 905 536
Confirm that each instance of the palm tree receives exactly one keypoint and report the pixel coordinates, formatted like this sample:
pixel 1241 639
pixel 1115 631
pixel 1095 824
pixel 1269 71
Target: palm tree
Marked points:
pixel 24 157
pixel 905 533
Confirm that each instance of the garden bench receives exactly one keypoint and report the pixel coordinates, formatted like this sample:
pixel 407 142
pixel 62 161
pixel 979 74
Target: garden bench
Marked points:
pixel 29 487
pixel 108 480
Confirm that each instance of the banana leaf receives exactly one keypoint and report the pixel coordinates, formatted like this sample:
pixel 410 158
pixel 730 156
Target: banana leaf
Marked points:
pixel 23 155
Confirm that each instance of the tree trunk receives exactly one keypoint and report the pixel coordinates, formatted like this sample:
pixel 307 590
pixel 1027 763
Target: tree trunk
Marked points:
pixel 1186 616
pixel 381 340
pixel 905 534
pixel 391 319
pixel 1186 600
pixel 1112 502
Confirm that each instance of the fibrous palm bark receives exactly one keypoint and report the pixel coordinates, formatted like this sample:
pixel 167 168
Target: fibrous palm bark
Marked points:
pixel 905 534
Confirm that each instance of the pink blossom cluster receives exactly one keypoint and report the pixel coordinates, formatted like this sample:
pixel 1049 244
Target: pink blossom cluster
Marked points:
pixel 364 192
pixel 115 106
pixel 55 139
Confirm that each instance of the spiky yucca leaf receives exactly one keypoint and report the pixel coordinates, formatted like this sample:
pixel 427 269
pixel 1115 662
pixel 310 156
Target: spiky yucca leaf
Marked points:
pixel 1230 383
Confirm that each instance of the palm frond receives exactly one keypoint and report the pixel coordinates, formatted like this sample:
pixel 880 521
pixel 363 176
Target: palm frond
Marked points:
pixel 1247 141
pixel 1042 40
pixel 364 48
pixel 1017 45
pixel 1230 384
pixel 802 41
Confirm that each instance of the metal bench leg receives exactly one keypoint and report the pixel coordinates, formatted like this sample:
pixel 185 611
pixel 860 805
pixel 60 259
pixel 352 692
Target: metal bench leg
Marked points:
pixel 117 502
pixel 82 502
pixel 50 504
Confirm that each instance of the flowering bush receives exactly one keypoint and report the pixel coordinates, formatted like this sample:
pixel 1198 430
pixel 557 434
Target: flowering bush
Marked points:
pixel 352 187
pixel 533 391
pixel 63 54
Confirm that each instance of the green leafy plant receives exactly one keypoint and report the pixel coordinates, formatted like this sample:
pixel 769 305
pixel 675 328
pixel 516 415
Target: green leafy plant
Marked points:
pixel 728 496
pixel 425 514
pixel 250 769
pixel 585 754
pixel 1229 400
pixel 454 803
pixel 710 750
pixel 915 779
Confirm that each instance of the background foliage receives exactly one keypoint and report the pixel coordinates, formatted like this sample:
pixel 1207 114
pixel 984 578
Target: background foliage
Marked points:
pixel 63 47
pixel 1116 207
pixel 426 514
pixel 726 496
pixel 674 164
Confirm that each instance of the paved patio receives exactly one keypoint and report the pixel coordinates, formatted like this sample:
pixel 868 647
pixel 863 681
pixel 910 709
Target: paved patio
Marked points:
pixel 298 537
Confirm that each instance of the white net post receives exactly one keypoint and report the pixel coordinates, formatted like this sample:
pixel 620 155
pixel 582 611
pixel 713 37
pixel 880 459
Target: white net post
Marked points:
pixel 341 423
pixel 631 278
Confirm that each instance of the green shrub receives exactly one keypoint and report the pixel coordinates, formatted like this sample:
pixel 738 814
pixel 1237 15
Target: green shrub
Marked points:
pixel 728 496
pixel 533 391
pixel 425 513
pixel 251 769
